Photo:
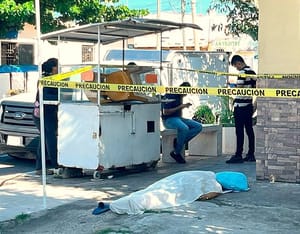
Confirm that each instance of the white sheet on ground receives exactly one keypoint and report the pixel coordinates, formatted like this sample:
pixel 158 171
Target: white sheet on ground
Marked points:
pixel 175 190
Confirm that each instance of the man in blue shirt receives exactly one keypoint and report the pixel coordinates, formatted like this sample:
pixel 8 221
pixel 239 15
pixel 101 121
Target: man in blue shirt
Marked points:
pixel 172 118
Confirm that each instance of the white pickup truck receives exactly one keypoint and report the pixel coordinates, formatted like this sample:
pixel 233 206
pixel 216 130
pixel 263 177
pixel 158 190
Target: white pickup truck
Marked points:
pixel 18 134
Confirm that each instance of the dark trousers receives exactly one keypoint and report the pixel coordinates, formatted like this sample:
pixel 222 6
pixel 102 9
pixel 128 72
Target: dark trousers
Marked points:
pixel 50 126
pixel 243 119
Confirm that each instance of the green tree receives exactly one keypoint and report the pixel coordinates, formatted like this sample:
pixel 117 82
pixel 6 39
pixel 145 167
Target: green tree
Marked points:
pixel 55 14
pixel 242 16
pixel 13 15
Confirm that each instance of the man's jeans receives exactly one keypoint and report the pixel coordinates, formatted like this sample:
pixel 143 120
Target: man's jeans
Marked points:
pixel 186 130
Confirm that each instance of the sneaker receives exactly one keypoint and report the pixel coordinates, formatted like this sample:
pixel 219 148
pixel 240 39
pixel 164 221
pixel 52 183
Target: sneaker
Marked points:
pixel 235 159
pixel 177 157
pixel 48 172
pixel 249 158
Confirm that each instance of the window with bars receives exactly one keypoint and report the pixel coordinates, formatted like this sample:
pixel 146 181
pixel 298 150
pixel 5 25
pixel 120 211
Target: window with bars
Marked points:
pixel 87 53
pixel 17 54
pixel 9 53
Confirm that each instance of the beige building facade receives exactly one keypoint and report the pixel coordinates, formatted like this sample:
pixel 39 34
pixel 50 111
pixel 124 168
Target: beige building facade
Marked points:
pixel 278 127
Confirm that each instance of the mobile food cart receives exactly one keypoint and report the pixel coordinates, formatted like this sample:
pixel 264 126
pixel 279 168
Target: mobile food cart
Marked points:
pixel 106 130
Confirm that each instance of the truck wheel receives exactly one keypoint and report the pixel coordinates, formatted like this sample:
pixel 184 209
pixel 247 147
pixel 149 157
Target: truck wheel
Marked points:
pixel 59 171
pixel 97 175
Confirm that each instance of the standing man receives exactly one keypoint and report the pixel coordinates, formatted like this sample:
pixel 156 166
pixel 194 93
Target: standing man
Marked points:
pixel 243 111
pixel 50 67
pixel 172 119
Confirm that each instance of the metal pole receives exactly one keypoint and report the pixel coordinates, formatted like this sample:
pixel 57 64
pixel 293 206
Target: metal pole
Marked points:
pixel 193 6
pixel 123 56
pixel 160 60
pixel 42 130
pixel 98 65
pixel 58 64
pixel 158 40
pixel 182 21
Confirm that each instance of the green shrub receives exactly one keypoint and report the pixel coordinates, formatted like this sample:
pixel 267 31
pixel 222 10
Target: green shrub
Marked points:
pixel 226 116
pixel 204 115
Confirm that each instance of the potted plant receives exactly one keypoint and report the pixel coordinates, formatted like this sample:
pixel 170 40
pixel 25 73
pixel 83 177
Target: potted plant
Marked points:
pixel 204 115
pixel 228 127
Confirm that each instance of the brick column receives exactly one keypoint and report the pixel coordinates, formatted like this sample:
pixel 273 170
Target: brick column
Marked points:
pixel 278 134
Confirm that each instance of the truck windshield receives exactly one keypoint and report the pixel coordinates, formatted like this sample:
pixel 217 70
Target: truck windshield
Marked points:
pixel 136 55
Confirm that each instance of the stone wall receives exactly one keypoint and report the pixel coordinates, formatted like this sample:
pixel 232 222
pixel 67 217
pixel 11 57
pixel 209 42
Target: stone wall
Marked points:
pixel 278 134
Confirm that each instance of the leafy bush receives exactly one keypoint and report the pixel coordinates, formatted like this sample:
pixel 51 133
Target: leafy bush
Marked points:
pixel 204 115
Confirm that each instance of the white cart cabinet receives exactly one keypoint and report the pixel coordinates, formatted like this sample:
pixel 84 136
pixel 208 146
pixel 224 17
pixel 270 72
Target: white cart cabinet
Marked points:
pixel 130 134
pixel 113 135
pixel 78 135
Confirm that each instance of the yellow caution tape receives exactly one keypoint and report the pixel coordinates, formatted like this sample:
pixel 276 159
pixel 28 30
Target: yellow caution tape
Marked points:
pixel 56 81
pixel 66 75
pixel 257 92
pixel 218 73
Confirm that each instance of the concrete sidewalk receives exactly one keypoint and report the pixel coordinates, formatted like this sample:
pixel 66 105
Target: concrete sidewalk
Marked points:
pixel 266 208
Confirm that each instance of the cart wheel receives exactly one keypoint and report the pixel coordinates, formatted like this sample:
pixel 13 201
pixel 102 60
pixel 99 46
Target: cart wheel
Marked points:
pixel 60 171
pixel 153 164
pixel 96 175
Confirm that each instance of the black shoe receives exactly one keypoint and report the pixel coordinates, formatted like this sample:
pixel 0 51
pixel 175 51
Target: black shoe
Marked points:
pixel 177 157
pixel 235 159
pixel 249 158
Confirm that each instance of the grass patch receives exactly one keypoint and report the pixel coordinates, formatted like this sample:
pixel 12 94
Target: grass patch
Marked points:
pixel 22 217
pixel 9 224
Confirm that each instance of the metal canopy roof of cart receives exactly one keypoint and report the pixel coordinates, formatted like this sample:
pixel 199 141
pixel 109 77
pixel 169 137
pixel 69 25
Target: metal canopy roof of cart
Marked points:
pixel 109 32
